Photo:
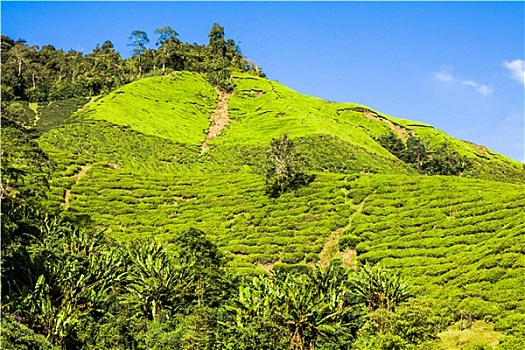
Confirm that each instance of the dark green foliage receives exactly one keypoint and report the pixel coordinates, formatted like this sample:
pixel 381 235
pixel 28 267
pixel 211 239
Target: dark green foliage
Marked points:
pixel 24 186
pixel 392 144
pixel 415 153
pixel 378 288
pixel 284 167
pixel 219 75
pixel 348 242
pixel 17 336
pixel 217 43
pixel 441 161
pixel 156 283
pixel 445 161
pixel 303 308
pixel 20 113
pixel 139 40
pixel 48 74
pixel 414 325
pixel 224 55
pixel 168 54
pixel 55 113
pixel 209 282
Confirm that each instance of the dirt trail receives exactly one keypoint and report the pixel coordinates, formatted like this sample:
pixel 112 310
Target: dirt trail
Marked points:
pixel 219 118
pixel 77 177
pixel 331 246
pixel 34 107
pixel 399 130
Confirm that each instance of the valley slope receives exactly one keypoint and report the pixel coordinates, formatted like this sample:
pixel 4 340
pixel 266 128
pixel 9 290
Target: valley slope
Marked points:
pixel 133 162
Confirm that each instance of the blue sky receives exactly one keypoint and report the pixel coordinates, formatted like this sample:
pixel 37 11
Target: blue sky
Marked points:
pixel 455 65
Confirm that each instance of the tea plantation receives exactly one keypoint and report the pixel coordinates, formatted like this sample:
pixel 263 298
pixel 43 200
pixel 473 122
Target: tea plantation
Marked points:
pixel 132 161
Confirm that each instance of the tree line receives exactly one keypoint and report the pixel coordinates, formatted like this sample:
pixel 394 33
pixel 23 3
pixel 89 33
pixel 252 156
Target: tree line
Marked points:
pixel 38 74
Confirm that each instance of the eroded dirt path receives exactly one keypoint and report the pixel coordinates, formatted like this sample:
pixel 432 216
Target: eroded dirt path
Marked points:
pixel 331 247
pixel 219 118
pixel 77 178
pixel 400 131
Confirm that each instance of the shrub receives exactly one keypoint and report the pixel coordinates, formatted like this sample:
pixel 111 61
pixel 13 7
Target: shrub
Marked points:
pixel 292 258
pixel 16 336
pixel 283 167
pixel 349 242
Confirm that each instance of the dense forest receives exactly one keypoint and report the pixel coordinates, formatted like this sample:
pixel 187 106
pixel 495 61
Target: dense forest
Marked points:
pixel 36 74
pixel 68 284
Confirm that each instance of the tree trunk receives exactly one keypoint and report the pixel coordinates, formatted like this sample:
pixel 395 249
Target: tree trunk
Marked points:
pixel 164 61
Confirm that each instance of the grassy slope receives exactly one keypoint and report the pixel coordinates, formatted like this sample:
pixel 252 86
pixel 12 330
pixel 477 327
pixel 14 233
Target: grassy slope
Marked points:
pixel 487 164
pixel 461 241
pixel 176 108
pixel 439 231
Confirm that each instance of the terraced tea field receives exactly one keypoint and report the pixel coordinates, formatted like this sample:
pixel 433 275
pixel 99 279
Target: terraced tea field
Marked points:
pixel 132 162
pixel 461 241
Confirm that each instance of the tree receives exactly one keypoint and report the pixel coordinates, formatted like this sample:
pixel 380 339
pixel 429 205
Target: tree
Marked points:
pixel 20 55
pixel 156 284
pixel 303 308
pixel 392 144
pixel 217 42
pixel 283 167
pixel 208 279
pixel 138 39
pixel 168 42
pixel 414 325
pixel 71 275
pixel 219 75
pixel 444 161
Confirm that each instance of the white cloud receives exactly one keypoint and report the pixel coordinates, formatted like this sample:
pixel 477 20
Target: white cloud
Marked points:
pixel 482 89
pixel 517 68
pixel 514 118
pixel 445 73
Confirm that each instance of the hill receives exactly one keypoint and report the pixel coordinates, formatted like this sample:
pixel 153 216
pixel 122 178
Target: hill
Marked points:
pixel 142 162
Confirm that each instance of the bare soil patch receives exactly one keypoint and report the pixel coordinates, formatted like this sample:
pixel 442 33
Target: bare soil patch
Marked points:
pixel 219 118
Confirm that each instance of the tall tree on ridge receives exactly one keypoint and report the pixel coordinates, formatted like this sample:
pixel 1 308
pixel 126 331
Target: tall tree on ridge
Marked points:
pixel 217 43
pixel 138 39
pixel 168 42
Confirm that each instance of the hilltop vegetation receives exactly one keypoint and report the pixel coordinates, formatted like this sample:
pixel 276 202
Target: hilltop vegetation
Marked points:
pixel 43 73
pixel 127 223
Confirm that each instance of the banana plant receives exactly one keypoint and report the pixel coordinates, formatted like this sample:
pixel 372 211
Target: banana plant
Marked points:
pixel 309 306
pixel 78 272
pixel 379 288
pixel 156 282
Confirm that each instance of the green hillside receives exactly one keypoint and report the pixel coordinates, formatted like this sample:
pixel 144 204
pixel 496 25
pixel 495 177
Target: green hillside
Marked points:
pixel 139 163
pixel 176 108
